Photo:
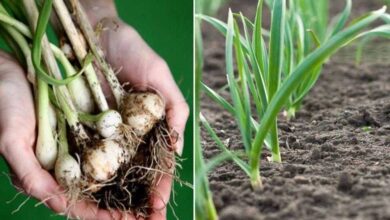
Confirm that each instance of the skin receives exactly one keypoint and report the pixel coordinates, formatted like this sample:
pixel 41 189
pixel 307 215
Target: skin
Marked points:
pixel 139 65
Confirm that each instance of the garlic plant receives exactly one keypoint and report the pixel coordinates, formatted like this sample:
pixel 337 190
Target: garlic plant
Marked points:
pixel 101 150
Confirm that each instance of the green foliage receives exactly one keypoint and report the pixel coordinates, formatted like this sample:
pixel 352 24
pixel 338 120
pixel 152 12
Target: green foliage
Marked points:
pixel 277 72
pixel 204 207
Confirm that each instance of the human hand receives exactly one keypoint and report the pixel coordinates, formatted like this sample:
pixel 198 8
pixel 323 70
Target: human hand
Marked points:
pixel 17 140
pixel 143 68
pixel 140 66
pixel 17 121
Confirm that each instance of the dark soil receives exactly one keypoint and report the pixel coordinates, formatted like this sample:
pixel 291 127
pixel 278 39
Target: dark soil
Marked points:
pixel 336 152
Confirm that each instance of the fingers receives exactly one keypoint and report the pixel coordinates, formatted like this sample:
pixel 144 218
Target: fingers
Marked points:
pixel 176 106
pixel 90 211
pixel 17 139
pixel 31 177
pixel 39 184
pixel 140 66
pixel 17 131
pixel 177 115
pixel 160 198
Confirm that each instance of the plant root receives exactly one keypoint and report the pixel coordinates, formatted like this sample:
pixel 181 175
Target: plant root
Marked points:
pixel 127 137
pixel 130 190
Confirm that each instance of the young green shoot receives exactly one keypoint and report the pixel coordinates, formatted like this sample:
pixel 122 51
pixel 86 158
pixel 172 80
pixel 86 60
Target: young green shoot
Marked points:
pixel 78 88
pixel 46 146
pixel 279 75
pixel 204 205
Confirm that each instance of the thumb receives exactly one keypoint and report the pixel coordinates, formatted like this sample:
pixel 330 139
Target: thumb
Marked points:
pixel 34 180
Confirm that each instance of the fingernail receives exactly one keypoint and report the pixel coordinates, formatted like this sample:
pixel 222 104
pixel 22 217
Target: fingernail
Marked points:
pixel 179 146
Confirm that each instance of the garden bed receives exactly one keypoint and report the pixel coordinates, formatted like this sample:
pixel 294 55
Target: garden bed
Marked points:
pixel 336 152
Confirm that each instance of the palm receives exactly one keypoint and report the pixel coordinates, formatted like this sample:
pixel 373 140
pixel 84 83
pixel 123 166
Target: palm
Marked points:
pixel 144 69
pixel 16 103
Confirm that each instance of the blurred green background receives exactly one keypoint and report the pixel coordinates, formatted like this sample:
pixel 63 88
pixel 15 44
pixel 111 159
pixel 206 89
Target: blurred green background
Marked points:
pixel 166 25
